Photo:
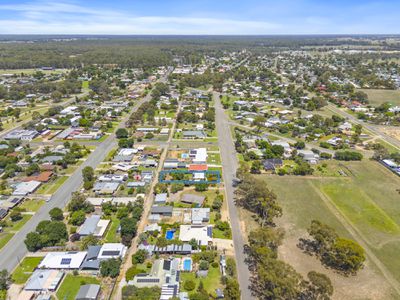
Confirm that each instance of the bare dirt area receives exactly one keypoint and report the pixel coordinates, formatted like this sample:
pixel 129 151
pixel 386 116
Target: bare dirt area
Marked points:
pixel 367 284
pixel 391 131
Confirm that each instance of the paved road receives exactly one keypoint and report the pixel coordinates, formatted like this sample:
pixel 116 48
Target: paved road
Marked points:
pixel 15 250
pixel 371 127
pixel 229 166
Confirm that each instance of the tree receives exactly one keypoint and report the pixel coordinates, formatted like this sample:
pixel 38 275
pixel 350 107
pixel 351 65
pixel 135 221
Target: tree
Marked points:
pixel 319 286
pixel 189 285
pixel 323 235
pixel 201 187
pixel 77 218
pixel 5 279
pixel 110 267
pixel 121 133
pixel 348 155
pixel 232 290
pixel 33 241
pixel 204 265
pixel 266 237
pixel 254 195
pixel 345 255
pixel 56 214
pixel 89 240
pixel 88 173
pixel 139 257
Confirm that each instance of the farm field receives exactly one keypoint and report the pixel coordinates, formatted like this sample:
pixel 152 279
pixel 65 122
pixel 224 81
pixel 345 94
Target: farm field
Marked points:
pixel 362 206
pixel 377 97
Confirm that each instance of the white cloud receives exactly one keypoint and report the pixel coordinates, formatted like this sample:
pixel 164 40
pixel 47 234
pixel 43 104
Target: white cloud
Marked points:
pixel 68 18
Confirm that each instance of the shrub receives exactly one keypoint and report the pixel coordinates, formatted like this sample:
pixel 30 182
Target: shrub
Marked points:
pixel 189 285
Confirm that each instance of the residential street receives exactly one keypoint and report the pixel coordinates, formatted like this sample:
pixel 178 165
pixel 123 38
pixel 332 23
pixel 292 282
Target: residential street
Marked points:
pixel 370 127
pixel 15 250
pixel 229 165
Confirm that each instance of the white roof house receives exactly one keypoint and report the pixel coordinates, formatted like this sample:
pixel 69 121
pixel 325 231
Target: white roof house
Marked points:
pixel 63 260
pixel 112 250
pixel 199 155
pixel 25 188
pixel 202 234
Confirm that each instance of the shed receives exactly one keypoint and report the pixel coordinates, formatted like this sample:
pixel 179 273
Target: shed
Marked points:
pixel 88 292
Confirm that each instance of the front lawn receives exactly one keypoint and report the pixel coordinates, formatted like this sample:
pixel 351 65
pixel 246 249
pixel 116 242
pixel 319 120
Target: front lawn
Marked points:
pixel 25 269
pixel 32 205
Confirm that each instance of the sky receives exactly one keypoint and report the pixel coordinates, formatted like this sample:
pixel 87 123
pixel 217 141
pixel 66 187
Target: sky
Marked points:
pixel 199 17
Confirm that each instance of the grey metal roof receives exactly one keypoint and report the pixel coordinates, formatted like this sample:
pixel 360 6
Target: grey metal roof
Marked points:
pixel 90 225
pixel 93 252
pixel 161 210
pixel 88 292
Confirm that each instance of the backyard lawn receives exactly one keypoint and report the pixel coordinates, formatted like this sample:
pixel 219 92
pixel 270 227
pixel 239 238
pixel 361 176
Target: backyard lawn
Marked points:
pixel 70 286
pixel 211 282
pixel 112 236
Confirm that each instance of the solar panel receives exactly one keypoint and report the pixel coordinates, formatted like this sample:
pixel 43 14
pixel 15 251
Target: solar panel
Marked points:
pixel 65 261
pixel 209 231
pixel 148 280
pixel 110 253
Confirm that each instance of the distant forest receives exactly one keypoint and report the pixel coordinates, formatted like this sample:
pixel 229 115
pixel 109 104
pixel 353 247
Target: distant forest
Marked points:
pixel 18 52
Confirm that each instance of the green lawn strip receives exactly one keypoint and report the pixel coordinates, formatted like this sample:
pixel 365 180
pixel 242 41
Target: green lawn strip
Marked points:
pixel 19 224
pixel 210 283
pixel 112 235
pixel 25 269
pixel 70 286
pixel 4 238
pixel 59 182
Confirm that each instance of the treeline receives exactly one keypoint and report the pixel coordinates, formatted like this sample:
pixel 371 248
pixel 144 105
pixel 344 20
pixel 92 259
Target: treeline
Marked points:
pixel 57 89
pixel 272 278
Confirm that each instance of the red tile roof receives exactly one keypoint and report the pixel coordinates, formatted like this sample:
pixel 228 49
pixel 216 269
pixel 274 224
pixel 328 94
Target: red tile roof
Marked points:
pixel 198 167
pixel 42 177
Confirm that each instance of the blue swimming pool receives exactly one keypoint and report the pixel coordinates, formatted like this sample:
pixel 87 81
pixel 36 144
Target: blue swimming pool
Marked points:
pixel 187 265
pixel 169 235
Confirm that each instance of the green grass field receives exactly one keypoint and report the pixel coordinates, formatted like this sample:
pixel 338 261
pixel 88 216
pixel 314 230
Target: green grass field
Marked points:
pixel 367 199
pixel 377 97
pixel 70 286
pixel 112 236
pixel 25 269
pixel 211 282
